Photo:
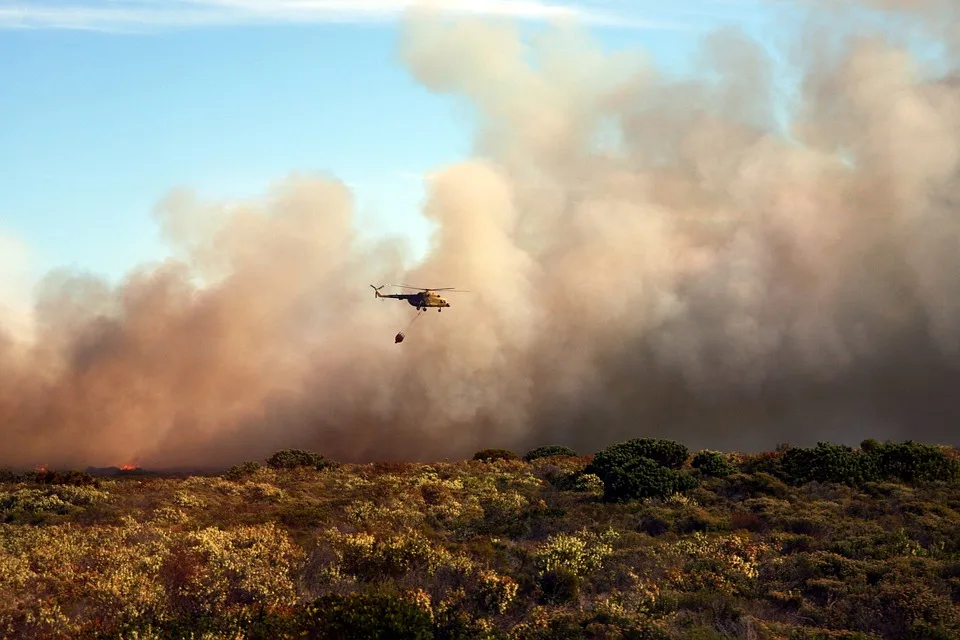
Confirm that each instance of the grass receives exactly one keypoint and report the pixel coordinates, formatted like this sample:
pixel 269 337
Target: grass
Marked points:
pixel 495 547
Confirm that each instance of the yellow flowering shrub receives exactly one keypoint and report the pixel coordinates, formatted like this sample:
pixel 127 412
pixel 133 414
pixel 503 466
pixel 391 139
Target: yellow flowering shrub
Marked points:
pixel 472 548
pixel 62 499
pixel 579 554
pixel 460 514
pixel 494 476
pixel 679 499
pixel 500 509
pixel 429 477
pixel 188 500
pixel 422 599
pixel 638 598
pixel 33 501
pixel 439 497
pixel 79 495
pixel 394 515
pixel 589 483
pixel 112 571
pixel 211 484
pixel 71 579
pixel 718 562
pixel 221 568
pixel 170 515
pixel 262 491
pixel 368 557
pixel 495 591
pixel 346 484
pixel 535 625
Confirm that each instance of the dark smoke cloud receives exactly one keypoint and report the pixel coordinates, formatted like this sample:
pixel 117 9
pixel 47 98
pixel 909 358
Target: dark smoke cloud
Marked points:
pixel 647 255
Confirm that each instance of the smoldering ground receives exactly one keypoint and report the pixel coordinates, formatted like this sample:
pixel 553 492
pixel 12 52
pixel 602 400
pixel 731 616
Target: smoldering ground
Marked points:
pixel 700 271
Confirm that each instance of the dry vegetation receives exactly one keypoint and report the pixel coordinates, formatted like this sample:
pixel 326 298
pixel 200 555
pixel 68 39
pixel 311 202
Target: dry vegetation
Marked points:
pixel 644 540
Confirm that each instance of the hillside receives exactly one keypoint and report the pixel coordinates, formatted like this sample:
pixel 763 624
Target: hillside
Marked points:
pixel 643 540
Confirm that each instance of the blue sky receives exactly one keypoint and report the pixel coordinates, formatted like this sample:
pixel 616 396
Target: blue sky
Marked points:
pixel 107 105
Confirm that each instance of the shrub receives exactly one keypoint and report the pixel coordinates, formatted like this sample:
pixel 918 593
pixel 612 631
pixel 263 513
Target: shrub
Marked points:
pixel 745 520
pixel 293 458
pixel 588 483
pixel 488 455
pixel 495 592
pixel 643 478
pixel 581 553
pixel 492 552
pixel 713 463
pixel 665 453
pixel 240 471
pixel 72 477
pixel 559 586
pixel 767 462
pixel 24 502
pixel 908 462
pixel 371 558
pixel 927 631
pixel 912 462
pixel 742 485
pixel 654 525
pixel 368 615
pixel 549 451
pixel 827 463
pixel 564 481
pixel 212 569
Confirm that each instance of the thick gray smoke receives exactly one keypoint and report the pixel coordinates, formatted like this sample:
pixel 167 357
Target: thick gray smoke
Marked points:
pixel 646 256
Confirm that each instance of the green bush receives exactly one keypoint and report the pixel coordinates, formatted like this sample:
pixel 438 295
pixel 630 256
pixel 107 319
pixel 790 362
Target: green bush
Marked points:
pixel 767 462
pixel 713 463
pixel 549 451
pixel 907 462
pixel 927 631
pixel 240 471
pixel 367 615
pixel 912 462
pixel 488 455
pixel 643 478
pixel 827 463
pixel 665 453
pixel 293 458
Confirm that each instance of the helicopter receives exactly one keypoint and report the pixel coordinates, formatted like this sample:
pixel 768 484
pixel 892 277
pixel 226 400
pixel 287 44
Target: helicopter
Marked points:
pixel 424 299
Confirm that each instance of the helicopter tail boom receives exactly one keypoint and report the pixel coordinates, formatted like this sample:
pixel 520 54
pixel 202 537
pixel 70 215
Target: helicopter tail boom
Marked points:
pixel 376 290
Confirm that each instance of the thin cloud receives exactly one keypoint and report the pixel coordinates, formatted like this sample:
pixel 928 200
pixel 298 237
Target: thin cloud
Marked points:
pixel 148 15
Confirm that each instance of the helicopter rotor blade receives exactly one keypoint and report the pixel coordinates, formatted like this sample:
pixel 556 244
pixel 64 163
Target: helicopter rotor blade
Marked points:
pixel 404 286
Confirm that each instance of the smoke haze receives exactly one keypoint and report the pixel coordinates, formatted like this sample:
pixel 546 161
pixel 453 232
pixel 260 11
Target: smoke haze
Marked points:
pixel 646 255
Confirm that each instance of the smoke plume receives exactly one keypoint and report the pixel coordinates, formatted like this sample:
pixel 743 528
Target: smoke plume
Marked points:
pixel 646 256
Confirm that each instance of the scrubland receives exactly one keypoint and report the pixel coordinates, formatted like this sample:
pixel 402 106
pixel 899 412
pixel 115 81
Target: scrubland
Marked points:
pixel 644 539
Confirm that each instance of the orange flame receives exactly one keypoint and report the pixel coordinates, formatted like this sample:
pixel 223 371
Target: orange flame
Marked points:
pixel 128 467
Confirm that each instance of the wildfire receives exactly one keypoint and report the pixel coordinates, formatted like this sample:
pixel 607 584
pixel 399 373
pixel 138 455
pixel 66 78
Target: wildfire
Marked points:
pixel 128 467
pixel 41 467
